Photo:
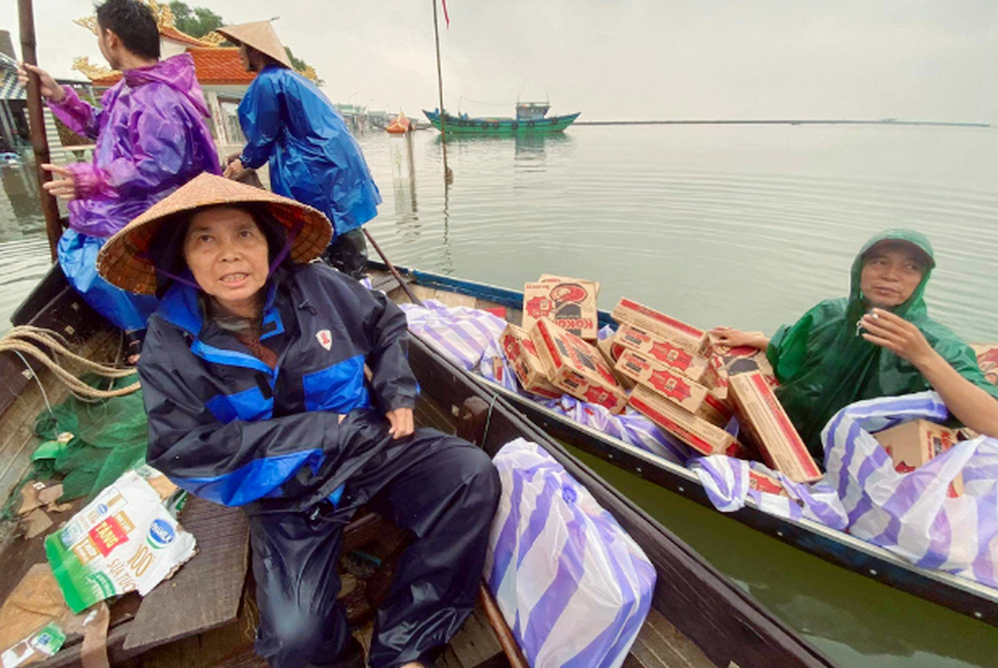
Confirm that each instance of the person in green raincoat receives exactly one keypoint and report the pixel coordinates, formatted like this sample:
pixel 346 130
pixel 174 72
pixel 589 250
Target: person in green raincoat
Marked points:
pixel 880 342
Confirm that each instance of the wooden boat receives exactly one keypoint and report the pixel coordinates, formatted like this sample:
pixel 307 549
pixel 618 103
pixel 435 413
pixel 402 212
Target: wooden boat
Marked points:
pixel 531 117
pixel 975 600
pixel 204 615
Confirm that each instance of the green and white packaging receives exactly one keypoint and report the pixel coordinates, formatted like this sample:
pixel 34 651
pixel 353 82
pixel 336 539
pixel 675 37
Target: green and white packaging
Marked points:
pixel 43 643
pixel 124 540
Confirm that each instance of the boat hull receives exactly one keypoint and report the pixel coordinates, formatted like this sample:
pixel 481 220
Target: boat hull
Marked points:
pixel 499 126
pixel 965 596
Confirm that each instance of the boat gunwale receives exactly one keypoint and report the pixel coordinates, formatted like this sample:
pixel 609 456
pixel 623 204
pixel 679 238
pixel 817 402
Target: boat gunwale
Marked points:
pixel 877 563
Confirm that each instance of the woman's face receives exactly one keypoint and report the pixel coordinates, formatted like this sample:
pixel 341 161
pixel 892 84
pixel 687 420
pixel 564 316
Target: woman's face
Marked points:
pixel 890 275
pixel 228 255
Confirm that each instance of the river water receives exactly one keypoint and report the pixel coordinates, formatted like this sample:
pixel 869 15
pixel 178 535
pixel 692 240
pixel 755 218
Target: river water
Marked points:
pixel 747 226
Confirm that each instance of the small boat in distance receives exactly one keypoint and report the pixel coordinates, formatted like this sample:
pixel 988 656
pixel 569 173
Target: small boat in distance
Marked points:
pixel 530 117
pixel 400 125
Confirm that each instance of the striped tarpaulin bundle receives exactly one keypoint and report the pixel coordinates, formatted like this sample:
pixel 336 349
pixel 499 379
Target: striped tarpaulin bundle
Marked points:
pixel 553 552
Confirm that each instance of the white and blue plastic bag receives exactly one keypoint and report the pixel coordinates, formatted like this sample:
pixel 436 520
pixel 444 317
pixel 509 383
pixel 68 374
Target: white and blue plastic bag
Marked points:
pixel 574 588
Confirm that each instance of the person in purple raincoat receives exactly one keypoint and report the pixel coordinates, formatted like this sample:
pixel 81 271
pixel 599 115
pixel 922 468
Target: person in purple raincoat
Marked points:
pixel 151 138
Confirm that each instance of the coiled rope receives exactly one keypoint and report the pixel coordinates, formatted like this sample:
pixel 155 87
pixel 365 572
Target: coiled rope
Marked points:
pixel 33 341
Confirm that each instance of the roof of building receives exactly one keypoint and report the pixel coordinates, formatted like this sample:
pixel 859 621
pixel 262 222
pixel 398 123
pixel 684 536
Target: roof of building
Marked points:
pixel 219 66
pixel 170 32
pixel 214 67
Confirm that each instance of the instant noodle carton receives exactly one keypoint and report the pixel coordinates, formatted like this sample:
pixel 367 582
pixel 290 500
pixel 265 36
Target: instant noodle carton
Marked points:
pixel 763 418
pixel 687 337
pixel 699 434
pixel 522 355
pixel 672 355
pixel 569 304
pixel 576 367
pixel 669 383
pixel 914 443
pixel 763 482
pixel 611 352
pixel 552 278
pixel 124 540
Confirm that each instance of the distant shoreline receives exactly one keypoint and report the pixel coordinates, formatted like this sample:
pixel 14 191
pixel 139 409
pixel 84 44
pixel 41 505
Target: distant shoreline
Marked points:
pixel 788 122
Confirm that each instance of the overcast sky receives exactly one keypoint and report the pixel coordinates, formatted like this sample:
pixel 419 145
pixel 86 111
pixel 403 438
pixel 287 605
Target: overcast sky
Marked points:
pixel 624 59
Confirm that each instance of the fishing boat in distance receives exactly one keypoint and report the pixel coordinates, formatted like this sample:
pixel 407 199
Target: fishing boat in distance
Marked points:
pixel 530 117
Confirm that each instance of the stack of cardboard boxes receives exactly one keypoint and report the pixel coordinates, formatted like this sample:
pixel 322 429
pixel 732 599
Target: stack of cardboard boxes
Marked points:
pixel 550 354
pixel 678 376
pixel 687 390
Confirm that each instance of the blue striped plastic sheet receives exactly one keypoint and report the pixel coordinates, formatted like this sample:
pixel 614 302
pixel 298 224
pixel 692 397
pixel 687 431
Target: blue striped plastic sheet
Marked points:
pixel 574 588
pixel 908 514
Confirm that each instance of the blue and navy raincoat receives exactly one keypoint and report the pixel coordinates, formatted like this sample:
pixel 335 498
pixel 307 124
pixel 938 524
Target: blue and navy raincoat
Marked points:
pixel 226 427
pixel 313 158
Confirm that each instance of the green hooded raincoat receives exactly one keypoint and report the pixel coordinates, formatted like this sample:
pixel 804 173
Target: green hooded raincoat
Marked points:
pixel 824 364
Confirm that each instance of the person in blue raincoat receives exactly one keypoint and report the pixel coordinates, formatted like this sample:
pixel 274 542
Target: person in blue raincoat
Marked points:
pixel 313 158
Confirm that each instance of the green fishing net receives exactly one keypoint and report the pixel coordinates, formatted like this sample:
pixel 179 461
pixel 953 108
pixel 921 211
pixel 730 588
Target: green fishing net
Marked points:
pixel 109 437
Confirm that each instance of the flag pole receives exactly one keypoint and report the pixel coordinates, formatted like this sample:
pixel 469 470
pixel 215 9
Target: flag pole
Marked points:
pixel 36 120
pixel 448 174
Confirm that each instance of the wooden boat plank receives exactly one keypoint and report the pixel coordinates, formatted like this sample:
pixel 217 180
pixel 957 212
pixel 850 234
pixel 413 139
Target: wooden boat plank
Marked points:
pixel 475 643
pixel 660 644
pixel 205 593
pixel 455 300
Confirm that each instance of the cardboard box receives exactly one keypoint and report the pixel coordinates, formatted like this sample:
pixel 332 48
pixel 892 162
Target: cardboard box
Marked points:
pixel 765 483
pixel 610 352
pixel 551 278
pixel 570 305
pixel 522 355
pixel 699 434
pixel 689 338
pixel 669 383
pixel 576 367
pixel 914 443
pixel 715 410
pixel 675 356
pixel 762 416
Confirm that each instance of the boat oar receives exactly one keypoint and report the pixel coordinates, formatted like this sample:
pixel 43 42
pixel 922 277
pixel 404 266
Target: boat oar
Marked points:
pixel 36 120
pixel 395 272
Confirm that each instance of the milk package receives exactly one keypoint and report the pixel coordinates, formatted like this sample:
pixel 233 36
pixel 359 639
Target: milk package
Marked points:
pixel 126 539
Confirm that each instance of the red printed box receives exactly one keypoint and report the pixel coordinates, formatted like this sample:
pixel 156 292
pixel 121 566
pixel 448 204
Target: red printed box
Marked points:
pixel 668 383
pixel 699 434
pixel 665 352
pixel 522 355
pixel 570 305
pixel 691 339
pixel 762 416
pixel 576 367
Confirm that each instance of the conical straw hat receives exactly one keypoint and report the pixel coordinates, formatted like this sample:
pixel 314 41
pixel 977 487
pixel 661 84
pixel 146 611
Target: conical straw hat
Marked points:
pixel 124 262
pixel 261 36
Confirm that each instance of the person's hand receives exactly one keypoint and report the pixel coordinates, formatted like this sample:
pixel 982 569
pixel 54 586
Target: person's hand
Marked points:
pixel 400 421
pixel 234 170
pixel 897 335
pixel 733 338
pixel 64 187
pixel 49 88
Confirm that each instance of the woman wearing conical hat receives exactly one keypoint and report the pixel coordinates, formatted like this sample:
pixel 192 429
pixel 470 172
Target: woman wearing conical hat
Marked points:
pixel 313 158
pixel 254 385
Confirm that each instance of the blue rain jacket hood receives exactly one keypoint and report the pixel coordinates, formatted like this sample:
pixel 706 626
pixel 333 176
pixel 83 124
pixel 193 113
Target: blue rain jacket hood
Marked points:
pixel 313 158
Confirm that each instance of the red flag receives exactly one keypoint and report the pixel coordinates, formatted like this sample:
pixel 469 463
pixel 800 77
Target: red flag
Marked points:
pixel 446 17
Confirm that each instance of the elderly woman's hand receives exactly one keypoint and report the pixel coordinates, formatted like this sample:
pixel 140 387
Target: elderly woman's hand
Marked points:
pixel 897 335
pixel 400 421
pixel 736 338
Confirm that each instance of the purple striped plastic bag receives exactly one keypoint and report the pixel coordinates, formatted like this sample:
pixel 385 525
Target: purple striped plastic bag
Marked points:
pixel 910 514
pixel 574 588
